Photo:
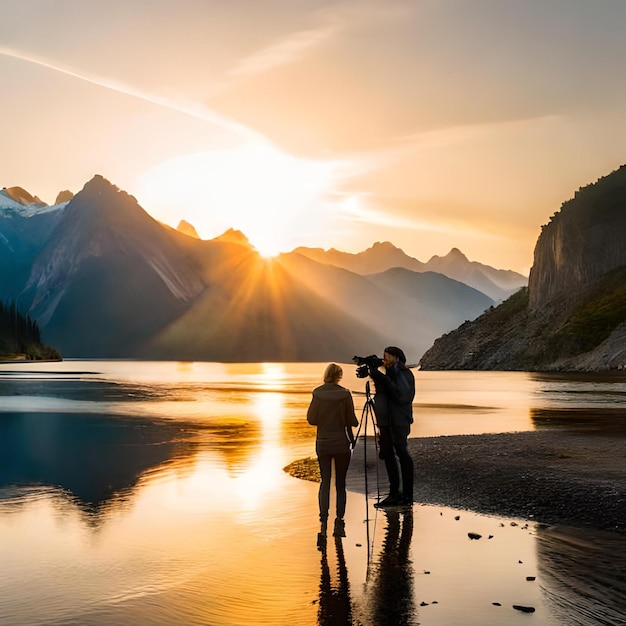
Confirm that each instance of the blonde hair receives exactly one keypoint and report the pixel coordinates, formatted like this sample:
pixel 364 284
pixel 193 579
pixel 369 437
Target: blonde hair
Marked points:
pixel 333 373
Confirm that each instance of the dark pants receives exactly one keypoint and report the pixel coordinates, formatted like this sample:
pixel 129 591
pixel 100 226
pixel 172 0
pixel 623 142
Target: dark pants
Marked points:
pixel 342 461
pixel 394 444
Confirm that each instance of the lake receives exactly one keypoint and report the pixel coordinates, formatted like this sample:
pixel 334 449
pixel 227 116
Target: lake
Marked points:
pixel 154 493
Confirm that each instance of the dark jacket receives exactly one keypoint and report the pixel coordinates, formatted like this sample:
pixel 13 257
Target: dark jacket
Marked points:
pixel 332 411
pixel 393 402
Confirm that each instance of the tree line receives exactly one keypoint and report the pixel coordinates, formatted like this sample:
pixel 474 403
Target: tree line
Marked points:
pixel 20 335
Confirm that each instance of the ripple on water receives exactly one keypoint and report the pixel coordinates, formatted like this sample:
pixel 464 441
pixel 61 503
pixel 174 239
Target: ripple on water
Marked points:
pixel 584 575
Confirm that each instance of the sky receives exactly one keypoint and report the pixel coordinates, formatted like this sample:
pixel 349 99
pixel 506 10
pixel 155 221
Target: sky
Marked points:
pixel 431 124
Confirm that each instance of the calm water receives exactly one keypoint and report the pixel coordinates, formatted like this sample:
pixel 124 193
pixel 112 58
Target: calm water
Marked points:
pixel 153 493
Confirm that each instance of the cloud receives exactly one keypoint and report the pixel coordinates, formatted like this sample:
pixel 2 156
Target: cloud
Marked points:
pixel 467 132
pixel 288 50
pixel 353 209
pixel 185 107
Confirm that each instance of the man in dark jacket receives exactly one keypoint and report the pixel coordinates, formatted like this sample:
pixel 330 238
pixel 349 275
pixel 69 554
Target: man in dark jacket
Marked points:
pixel 393 406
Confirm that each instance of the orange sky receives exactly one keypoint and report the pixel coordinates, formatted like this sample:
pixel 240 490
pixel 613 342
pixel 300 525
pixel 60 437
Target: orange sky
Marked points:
pixel 431 124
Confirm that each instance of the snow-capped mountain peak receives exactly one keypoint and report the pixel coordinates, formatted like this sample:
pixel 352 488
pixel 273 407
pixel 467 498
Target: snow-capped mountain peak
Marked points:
pixel 13 203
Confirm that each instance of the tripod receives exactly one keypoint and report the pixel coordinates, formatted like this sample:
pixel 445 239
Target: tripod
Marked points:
pixel 368 415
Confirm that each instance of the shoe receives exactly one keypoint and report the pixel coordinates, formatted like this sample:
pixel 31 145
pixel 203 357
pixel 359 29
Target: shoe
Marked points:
pixel 405 501
pixel 340 528
pixel 390 500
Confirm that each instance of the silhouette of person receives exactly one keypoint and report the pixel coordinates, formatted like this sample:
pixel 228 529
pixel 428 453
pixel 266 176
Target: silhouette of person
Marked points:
pixel 332 411
pixel 335 607
pixel 390 590
pixel 393 406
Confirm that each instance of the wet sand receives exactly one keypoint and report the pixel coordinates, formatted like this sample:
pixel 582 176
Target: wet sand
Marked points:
pixel 575 479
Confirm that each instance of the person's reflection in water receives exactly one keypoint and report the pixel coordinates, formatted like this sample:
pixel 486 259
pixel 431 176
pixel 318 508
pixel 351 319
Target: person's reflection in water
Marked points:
pixel 334 603
pixel 390 590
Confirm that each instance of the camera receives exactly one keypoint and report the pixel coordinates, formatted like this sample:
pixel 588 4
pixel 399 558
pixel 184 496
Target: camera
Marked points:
pixel 365 363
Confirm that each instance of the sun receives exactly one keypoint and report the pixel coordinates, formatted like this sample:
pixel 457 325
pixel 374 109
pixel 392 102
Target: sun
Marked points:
pixel 271 196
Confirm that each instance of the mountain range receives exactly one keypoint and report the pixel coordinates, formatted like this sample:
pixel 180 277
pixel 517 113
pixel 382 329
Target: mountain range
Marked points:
pixel 497 284
pixel 103 279
pixel 572 316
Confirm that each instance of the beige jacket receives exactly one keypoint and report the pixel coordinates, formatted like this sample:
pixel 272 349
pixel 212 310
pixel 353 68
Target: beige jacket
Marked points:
pixel 332 411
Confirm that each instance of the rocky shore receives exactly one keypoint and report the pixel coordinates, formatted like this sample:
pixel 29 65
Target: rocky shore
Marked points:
pixel 549 476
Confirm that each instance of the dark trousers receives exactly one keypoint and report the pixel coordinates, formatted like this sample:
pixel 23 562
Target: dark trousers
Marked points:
pixel 342 461
pixel 394 444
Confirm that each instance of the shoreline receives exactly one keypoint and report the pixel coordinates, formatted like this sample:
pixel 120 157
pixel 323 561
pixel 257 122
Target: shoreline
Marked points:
pixel 548 476
pixel 4 360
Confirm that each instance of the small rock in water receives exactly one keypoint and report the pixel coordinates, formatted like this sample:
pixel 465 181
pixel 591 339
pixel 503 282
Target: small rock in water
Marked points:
pixel 520 561
pixel 530 577
pixel 423 603
pixel 457 517
pixel 490 536
pixel 513 523
pixel 359 545
pixel 435 602
pixel 426 571
pixel 524 609
pixel 496 604
pixel 474 535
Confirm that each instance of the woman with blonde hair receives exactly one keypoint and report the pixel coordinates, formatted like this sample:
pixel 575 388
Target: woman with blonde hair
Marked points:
pixel 332 411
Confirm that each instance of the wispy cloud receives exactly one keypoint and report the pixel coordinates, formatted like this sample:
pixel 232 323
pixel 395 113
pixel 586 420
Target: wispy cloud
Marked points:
pixel 368 209
pixel 338 19
pixel 287 50
pixel 464 132
pixel 193 109
pixel 353 208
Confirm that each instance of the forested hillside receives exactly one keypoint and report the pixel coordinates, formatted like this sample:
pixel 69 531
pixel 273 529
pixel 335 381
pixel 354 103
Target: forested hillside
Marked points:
pixel 20 336
pixel 572 317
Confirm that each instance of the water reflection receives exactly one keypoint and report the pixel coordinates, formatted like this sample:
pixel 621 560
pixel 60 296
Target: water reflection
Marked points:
pixel 94 458
pixel 582 576
pixel 609 421
pixel 335 606
pixel 390 589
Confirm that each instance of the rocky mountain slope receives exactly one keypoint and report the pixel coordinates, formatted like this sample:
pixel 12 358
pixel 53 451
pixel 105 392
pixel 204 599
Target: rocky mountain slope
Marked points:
pixel 108 276
pixel 573 314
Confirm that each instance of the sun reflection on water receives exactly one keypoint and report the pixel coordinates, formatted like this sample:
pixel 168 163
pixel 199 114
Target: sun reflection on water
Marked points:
pixel 262 475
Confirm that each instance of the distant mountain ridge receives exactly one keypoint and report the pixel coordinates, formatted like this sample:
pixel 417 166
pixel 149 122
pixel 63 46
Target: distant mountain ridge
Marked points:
pixel 103 279
pixel 572 316
pixel 497 284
